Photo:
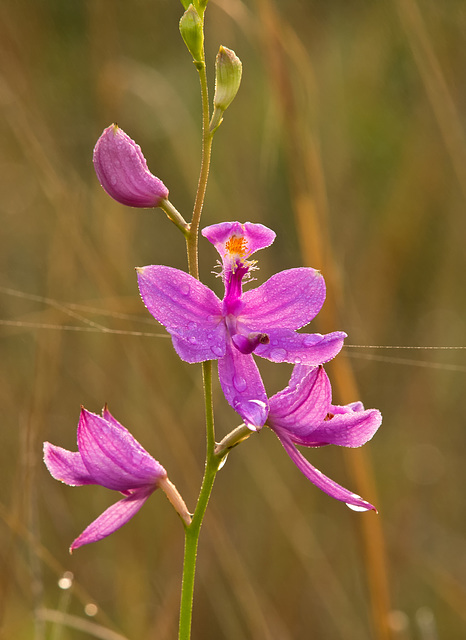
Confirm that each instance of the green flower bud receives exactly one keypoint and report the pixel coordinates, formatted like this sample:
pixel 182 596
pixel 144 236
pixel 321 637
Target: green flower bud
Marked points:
pixel 228 70
pixel 192 32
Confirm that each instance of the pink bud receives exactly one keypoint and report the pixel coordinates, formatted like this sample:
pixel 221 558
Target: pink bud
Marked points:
pixel 122 170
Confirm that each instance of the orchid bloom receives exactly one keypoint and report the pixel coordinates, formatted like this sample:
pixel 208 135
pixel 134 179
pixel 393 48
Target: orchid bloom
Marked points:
pixel 262 321
pixel 123 173
pixel 302 414
pixel 109 456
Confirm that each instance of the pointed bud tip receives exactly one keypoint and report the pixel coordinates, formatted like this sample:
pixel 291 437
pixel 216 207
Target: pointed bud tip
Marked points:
pixel 192 32
pixel 228 72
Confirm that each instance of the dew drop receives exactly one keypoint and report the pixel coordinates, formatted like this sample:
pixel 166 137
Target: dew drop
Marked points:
pixel 113 180
pixel 239 383
pixel 191 325
pixel 297 360
pixel 311 340
pixel 184 289
pixel 278 355
pixel 192 340
pixel 216 350
pixel 357 507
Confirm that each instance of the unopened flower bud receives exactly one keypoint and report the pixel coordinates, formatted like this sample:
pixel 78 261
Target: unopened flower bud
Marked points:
pixel 228 70
pixel 192 32
pixel 123 173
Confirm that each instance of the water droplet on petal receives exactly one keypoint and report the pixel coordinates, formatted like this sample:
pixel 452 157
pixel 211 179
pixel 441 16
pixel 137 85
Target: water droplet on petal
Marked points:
pixel 218 351
pixel 192 340
pixel 357 507
pixel 113 180
pixel 184 289
pixel 278 355
pixel 311 340
pixel 239 383
pixel 297 360
pixel 191 325
pixel 265 299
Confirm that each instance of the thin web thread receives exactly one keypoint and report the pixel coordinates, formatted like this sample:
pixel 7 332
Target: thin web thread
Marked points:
pixel 72 310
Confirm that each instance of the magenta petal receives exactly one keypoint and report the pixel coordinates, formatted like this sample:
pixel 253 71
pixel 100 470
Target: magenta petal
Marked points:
pixel 243 387
pixel 289 299
pixel 188 309
pixel 301 407
pixel 257 236
pixel 330 487
pixel 66 466
pixel 113 518
pixel 310 349
pixel 352 429
pixel 113 458
pixel 122 170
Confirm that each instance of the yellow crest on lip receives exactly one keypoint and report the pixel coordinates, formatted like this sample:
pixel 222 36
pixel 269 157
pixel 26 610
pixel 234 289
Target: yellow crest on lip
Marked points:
pixel 237 245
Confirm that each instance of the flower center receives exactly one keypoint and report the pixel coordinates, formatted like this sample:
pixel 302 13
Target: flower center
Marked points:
pixel 236 246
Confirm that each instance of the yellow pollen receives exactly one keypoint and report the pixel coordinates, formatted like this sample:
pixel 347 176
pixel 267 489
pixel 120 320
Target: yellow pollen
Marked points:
pixel 237 245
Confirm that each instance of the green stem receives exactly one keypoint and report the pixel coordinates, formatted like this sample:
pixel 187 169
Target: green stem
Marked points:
pixel 193 530
pixel 192 238
pixel 175 216
pixel 212 463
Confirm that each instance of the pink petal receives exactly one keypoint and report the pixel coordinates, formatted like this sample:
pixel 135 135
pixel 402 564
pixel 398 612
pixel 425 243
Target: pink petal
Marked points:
pixel 299 409
pixel 310 349
pixel 329 486
pixel 289 300
pixel 113 518
pixel 256 236
pixel 66 466
pixel 113 457
pixel 351 429
pixel 243 387
pixel 188 309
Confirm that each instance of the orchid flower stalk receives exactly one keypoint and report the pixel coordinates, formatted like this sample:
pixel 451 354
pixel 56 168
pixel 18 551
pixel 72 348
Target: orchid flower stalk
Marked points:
pixel 265 321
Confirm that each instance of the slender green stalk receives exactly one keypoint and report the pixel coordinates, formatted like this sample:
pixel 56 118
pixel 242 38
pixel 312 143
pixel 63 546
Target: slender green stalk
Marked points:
pixel 192 238
pixel 175 216
pixel 192 531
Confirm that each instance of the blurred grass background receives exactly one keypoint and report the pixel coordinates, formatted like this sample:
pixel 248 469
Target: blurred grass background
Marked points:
pixel 347 138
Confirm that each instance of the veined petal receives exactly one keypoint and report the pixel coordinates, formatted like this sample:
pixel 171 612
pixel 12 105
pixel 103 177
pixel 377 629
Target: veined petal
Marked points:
pixel 189 310
pixel 289 299
pixel 113 457
pixel 66 466
pixel 298 409
pixel 243 387
pixel 310 349
pixel 122 170
pixel 256 236
pixel 113 518
pixel 352 429
pixel 329 486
